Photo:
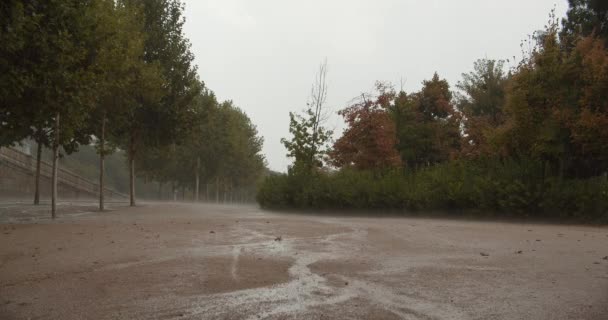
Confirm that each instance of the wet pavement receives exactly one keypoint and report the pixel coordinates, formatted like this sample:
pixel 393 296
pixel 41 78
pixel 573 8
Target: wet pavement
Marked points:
pixel 184 261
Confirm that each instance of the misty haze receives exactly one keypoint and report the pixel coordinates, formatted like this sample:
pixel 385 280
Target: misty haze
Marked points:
pixel 233 159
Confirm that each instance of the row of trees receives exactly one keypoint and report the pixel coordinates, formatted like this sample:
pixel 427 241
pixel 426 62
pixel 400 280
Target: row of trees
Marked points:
pixel 537 127
pixel 227 158
pixel 116 73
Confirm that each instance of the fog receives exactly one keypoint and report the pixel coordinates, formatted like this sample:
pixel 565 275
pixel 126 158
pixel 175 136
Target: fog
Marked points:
pixel 264 54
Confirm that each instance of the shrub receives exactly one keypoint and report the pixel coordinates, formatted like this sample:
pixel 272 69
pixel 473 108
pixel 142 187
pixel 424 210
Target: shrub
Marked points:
pixel 499 186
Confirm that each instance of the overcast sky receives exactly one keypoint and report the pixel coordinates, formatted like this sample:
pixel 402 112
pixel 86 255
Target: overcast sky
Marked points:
pixel 264 54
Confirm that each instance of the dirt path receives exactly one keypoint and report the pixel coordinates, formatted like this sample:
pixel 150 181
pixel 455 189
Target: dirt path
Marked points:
pixel 167 261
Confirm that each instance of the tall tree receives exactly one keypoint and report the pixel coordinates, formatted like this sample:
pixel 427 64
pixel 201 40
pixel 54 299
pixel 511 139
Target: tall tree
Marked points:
pixel 126 79
pixel 47 67
pixel 556 106
pixel 151 123
pixel 309 139
pixel 427 124
pixel 481 102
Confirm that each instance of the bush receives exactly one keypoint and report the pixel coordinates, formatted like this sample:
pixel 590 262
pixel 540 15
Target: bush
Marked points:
pixel 508 187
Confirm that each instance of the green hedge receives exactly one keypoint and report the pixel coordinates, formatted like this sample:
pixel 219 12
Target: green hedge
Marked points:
pixel 511 187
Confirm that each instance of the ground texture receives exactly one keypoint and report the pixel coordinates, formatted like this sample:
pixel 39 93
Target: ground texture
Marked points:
pixel 170 261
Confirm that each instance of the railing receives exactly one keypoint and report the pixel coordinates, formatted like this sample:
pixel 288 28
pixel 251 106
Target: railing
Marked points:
pixel 64 176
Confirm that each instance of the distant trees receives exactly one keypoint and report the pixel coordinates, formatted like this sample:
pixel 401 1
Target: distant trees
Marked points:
pixel 530 140
pixel 220 148
pixel 117 72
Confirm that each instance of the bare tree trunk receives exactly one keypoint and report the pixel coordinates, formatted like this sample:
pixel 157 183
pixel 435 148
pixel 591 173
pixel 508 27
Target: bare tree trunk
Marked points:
pixel 198 169
pixel 38 162
pixel 55 167
pixel 102 155
pixel 132 171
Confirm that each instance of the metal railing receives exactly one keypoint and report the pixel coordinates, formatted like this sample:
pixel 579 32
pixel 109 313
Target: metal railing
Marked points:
pixel 27 162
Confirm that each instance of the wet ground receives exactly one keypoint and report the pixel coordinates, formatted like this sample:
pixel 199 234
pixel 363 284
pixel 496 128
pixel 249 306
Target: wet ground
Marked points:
pixel 171 261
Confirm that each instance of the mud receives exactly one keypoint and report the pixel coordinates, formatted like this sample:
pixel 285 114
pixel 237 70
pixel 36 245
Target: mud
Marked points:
pixel 179 261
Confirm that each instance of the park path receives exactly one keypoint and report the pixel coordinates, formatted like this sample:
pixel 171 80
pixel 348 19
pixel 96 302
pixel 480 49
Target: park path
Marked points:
pixel 186 261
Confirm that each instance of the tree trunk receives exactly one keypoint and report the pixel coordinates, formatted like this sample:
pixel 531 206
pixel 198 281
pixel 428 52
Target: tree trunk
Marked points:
pixel 102 154
pixel 217 190
pixel 132 171
pixel 231 195
pixel 174 191
pixel 562 168
pixel 198 169
pixel 225 195
pixel 38 162
pixel 55 167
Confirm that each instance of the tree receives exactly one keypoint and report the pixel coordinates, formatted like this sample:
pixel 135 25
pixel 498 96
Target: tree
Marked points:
pixel 127 79
pixel 556 106
pixel 48 71
pixel 220 145
pixel 530 128
pixel 184 159
pixel 154 123
pixel 427 124
pixel 589 126
pixel 20 53
pixel 244 161
pixel 416 137
pixel 585 18
pixel 481 103
pixel 370 139
pixel 309 139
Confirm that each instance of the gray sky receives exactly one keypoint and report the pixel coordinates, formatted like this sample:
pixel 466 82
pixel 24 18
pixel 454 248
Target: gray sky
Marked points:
pixel 264 54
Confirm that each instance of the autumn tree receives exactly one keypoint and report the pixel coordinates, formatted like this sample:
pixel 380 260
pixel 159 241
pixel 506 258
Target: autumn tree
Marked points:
pixel 589 127
pixel 369 140
pixel 556 108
